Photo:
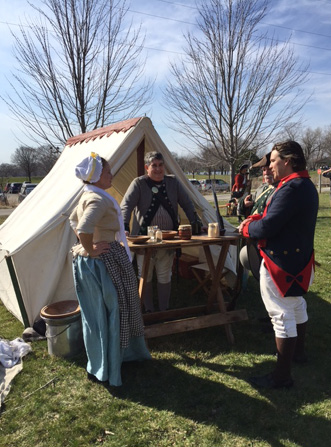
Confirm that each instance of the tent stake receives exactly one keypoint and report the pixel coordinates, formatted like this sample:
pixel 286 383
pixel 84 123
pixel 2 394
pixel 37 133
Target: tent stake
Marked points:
pixel 17 290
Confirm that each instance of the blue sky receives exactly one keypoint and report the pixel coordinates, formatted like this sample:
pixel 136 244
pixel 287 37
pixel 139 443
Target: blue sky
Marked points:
pixel 308 22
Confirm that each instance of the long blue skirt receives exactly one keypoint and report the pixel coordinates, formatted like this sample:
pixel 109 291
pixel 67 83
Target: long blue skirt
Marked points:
pixel 97 298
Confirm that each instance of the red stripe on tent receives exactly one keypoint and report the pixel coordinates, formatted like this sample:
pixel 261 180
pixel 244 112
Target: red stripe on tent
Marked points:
pixel 122 126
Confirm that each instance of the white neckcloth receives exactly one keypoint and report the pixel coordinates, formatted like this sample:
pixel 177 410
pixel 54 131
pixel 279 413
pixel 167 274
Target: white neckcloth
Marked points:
pixel 120 235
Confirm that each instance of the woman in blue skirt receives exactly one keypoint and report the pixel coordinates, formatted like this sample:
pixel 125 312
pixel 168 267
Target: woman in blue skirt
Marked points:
pixel 105 281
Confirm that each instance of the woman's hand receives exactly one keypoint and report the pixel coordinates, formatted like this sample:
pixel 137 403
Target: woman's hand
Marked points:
pixel 99 248
pixel 93 249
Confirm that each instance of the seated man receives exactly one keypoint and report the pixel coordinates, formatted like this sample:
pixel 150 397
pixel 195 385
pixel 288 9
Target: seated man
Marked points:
pixel 153 198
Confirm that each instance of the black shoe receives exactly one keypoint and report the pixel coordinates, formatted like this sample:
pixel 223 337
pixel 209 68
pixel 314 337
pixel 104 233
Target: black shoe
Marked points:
pixel 269 382
pixel 300 358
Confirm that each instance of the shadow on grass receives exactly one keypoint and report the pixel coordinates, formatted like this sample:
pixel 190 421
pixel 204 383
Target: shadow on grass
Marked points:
pixel 219 395
pixel 199 376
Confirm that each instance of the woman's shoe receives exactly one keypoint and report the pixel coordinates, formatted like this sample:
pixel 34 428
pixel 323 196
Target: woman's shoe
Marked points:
pixel 94 379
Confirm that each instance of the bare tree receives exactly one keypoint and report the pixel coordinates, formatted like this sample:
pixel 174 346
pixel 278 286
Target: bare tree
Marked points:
pixel 313 146
pixel 208 160
pixel 189 164
pixel 292 131
pixel 313 142
pixel 235 86
pixel 80 69
pixel 26 159
pixel 47 157
pixel 7 170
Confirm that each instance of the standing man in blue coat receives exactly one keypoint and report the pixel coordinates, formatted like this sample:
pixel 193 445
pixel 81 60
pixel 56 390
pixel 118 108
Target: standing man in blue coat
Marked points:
pixel 285 234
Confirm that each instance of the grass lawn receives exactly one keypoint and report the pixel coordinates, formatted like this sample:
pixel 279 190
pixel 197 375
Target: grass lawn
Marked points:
pixel 193 393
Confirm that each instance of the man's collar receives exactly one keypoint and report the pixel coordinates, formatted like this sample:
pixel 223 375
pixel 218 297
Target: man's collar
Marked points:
pixel 300 174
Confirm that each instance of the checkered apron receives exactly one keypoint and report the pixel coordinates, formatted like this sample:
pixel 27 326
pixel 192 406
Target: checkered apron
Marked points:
pixel 124 278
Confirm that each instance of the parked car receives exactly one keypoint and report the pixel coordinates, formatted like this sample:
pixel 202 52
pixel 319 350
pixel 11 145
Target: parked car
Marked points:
pixel 195 183
pixel 25 190
pixel 220 185
pixel 15 188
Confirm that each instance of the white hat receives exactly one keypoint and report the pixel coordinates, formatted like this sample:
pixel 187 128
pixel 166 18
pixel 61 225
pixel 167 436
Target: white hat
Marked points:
pixel 90 168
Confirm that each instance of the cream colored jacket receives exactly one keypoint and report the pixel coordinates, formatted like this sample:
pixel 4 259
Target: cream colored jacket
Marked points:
pixel 94 214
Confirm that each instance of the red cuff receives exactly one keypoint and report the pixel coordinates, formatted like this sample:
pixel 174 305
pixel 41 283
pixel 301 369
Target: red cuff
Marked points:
pixel 246 225
pixel 245 230
pixel 255 217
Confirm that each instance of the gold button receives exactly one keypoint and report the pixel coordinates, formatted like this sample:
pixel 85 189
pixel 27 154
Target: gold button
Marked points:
pixel 285 252
pixel 271 252
pixel 297 250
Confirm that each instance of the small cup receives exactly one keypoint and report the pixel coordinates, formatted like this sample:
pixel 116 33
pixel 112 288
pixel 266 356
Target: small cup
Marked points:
pixel 151 233
pixel 158 236
pixel 185 232
pixel 213 230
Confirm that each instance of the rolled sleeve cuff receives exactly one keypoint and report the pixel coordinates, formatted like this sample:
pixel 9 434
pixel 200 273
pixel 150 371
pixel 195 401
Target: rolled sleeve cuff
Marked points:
pixel 245 230
pixel 252 218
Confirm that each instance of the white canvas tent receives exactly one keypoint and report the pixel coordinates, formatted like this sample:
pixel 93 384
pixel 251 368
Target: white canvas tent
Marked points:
pixel 35 240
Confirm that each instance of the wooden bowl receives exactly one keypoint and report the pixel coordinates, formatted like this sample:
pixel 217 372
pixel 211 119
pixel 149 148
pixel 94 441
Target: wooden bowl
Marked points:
pixel 168 234
pixel 137 239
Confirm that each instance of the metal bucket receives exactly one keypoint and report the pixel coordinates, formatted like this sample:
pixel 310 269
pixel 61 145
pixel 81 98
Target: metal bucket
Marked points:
pixel 63 328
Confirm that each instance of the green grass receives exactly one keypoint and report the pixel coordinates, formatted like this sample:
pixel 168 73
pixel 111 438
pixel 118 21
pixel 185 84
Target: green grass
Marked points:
pixel 194 393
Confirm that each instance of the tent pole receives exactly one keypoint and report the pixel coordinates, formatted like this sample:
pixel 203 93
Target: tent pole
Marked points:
pixel 140 158
pixel 17 290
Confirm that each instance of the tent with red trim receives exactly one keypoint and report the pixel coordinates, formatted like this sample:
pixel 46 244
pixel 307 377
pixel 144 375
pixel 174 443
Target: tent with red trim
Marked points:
pixel 35 240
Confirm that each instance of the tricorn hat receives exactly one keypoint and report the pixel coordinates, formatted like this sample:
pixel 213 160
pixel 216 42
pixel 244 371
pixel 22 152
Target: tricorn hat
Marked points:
pixel 250 258
pixel 245 165
pixel 264 161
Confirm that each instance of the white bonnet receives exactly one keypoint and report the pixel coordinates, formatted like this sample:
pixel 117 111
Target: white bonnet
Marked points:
pixel 90 168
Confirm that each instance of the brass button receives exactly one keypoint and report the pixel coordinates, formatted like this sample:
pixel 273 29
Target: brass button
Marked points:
pixel 285 252
pixel 297 250
pixel 271 252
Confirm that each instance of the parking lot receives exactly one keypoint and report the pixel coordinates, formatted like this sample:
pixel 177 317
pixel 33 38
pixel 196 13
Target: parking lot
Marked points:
pixel 12 200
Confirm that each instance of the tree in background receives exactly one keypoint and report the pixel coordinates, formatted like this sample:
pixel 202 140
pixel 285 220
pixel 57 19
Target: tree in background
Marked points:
pixel 315 142
pixel 47 157
pixel 209 162
pixel 26 158
pixel 236 86
pixel 79 69
pixel 327 143
pixel 7 170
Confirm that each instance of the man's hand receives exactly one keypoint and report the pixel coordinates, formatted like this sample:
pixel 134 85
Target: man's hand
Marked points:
pixel 248 202
pixel 243 223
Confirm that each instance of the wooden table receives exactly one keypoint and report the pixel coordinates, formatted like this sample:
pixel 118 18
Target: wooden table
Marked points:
pixel 213 312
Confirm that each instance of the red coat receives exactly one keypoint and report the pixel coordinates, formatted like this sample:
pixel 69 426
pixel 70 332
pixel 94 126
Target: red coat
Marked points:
pixel 239 182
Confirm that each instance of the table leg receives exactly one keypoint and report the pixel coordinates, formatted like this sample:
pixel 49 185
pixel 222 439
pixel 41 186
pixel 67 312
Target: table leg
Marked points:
pixel 144 273
pixel 215 290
